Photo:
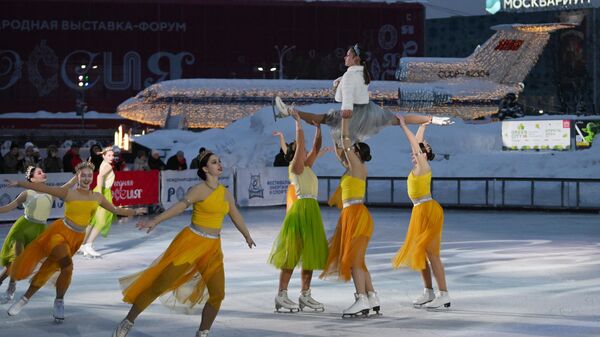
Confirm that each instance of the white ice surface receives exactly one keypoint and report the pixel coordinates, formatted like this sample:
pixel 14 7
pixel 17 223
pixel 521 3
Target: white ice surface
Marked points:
pixel 510 274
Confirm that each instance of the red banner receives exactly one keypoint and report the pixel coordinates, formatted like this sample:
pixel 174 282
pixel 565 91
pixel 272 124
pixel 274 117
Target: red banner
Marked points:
pixel 133 188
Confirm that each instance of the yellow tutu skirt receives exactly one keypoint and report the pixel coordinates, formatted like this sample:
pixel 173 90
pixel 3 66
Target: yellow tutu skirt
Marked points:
pixel 348 245
pixel 424 231
pixel 194 258
pixel 39 249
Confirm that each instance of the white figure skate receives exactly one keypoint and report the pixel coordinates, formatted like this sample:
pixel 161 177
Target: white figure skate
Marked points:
pixel 374 302
pixel 441 301
pixel 59 311
pixel 15 309
pixel 280 109
pixel 123 328
pixel 202 333
pixel 9 295
pixel 441 120
pixel 426 297
pixel 90 252
pixel 360 308
pixel 306 300
pixel 282 301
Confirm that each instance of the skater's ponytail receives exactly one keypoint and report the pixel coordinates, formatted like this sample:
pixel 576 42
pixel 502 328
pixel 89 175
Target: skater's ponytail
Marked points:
pixel 362 54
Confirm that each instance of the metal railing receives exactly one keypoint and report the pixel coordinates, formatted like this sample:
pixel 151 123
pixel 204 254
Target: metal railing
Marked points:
pixel 483 192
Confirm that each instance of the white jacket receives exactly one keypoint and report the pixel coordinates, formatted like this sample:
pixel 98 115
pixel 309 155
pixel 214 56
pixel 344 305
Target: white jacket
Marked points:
pixel 352 88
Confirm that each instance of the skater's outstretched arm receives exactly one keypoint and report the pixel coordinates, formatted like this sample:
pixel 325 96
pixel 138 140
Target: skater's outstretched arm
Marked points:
pixel 314 153
pixel 19 200
pixel 421 158
pixel 238 220
pixel 59 192
pixel 195 194
pixel 282 143
pixel 107 205
pixel 300 154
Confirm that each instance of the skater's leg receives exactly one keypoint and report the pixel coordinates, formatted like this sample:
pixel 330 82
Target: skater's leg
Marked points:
pixel 412 119
pixel 306 278
pixel 284 278
pixel 216 291
pixel 62 256
pixel 358 270
pixel 438 271
pixel 92 235
pixel 88 230
pixel 311 118
pixel 368 282
pixel 162 283
pixel 426 275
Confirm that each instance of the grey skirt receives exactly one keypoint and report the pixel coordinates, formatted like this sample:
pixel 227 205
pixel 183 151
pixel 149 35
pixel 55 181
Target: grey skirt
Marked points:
pixel 367 120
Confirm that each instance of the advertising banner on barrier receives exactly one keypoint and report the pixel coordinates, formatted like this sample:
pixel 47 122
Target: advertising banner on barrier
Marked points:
pixel 585 132
pixel 8 194
pixel 135 188
pixel 265 186
pixel 536 135
pixel 175 184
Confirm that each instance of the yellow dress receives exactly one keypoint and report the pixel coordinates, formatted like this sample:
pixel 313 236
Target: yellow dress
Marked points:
pixel 348 245
pixel 69 231
pixel 425 227
pixel 193 262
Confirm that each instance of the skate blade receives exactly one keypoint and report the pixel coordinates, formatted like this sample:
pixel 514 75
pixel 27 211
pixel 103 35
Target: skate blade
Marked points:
pixel 309 309
pixel 444 307
pixel 91 257
pixel 362 314
pixel 58 320
pixel 286 311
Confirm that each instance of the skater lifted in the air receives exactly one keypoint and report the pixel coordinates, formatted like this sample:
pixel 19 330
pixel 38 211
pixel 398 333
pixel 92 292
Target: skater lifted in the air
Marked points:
pixel 192 265
pixel 302 236
pixel 348 246
pixel 352 90
pixel 421 248
pixel 55 247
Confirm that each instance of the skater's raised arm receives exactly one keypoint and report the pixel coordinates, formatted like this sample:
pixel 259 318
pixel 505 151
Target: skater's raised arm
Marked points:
pixel 355 165
pixel 238 220
pixel 59 192
pixel 300 154
pixel 282 143
pixel 421 132
pixel 420 157
pixel 314 153
pixel 19 200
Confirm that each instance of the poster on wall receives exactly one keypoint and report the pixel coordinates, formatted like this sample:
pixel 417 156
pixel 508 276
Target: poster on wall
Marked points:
pixel 536 135
pixel 585 132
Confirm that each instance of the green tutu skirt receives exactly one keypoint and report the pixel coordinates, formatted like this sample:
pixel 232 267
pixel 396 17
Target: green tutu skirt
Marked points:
pixel 23 231
pixel 301 240
pixel 103 219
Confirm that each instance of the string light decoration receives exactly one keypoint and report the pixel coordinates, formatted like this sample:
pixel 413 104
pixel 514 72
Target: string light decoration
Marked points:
pixel 467 88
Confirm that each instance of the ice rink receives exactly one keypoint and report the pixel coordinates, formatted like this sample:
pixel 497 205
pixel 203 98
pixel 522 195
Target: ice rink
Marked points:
pixel 508 273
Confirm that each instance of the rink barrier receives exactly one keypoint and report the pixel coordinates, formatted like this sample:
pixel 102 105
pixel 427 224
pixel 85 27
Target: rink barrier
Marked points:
pixel 483 192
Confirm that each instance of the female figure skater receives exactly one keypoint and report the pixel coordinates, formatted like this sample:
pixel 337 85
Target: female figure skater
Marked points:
pixel 103 218
pixel 37 208
pixel 349 243
pixel 57 244
pixel 421 247
pixel 193 262
pixel 302 236
pixel 352 91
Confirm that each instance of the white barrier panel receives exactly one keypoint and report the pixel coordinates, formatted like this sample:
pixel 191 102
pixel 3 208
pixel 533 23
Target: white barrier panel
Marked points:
pixel 8 194
pixel 265 186
pixel 175 184
pixel 536 135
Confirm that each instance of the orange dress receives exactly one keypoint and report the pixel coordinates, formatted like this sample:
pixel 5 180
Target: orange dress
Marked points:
pixel 425 227
pixel 348 245
pixel 193 260
pixel 69 231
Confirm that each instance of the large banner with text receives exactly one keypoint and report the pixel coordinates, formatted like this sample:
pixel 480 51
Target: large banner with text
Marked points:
pixel 266 186
pixel 536 135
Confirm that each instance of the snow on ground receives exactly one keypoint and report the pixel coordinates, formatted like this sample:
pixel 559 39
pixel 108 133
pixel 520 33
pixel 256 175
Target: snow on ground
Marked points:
pixel 471 150
pixel 510 274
